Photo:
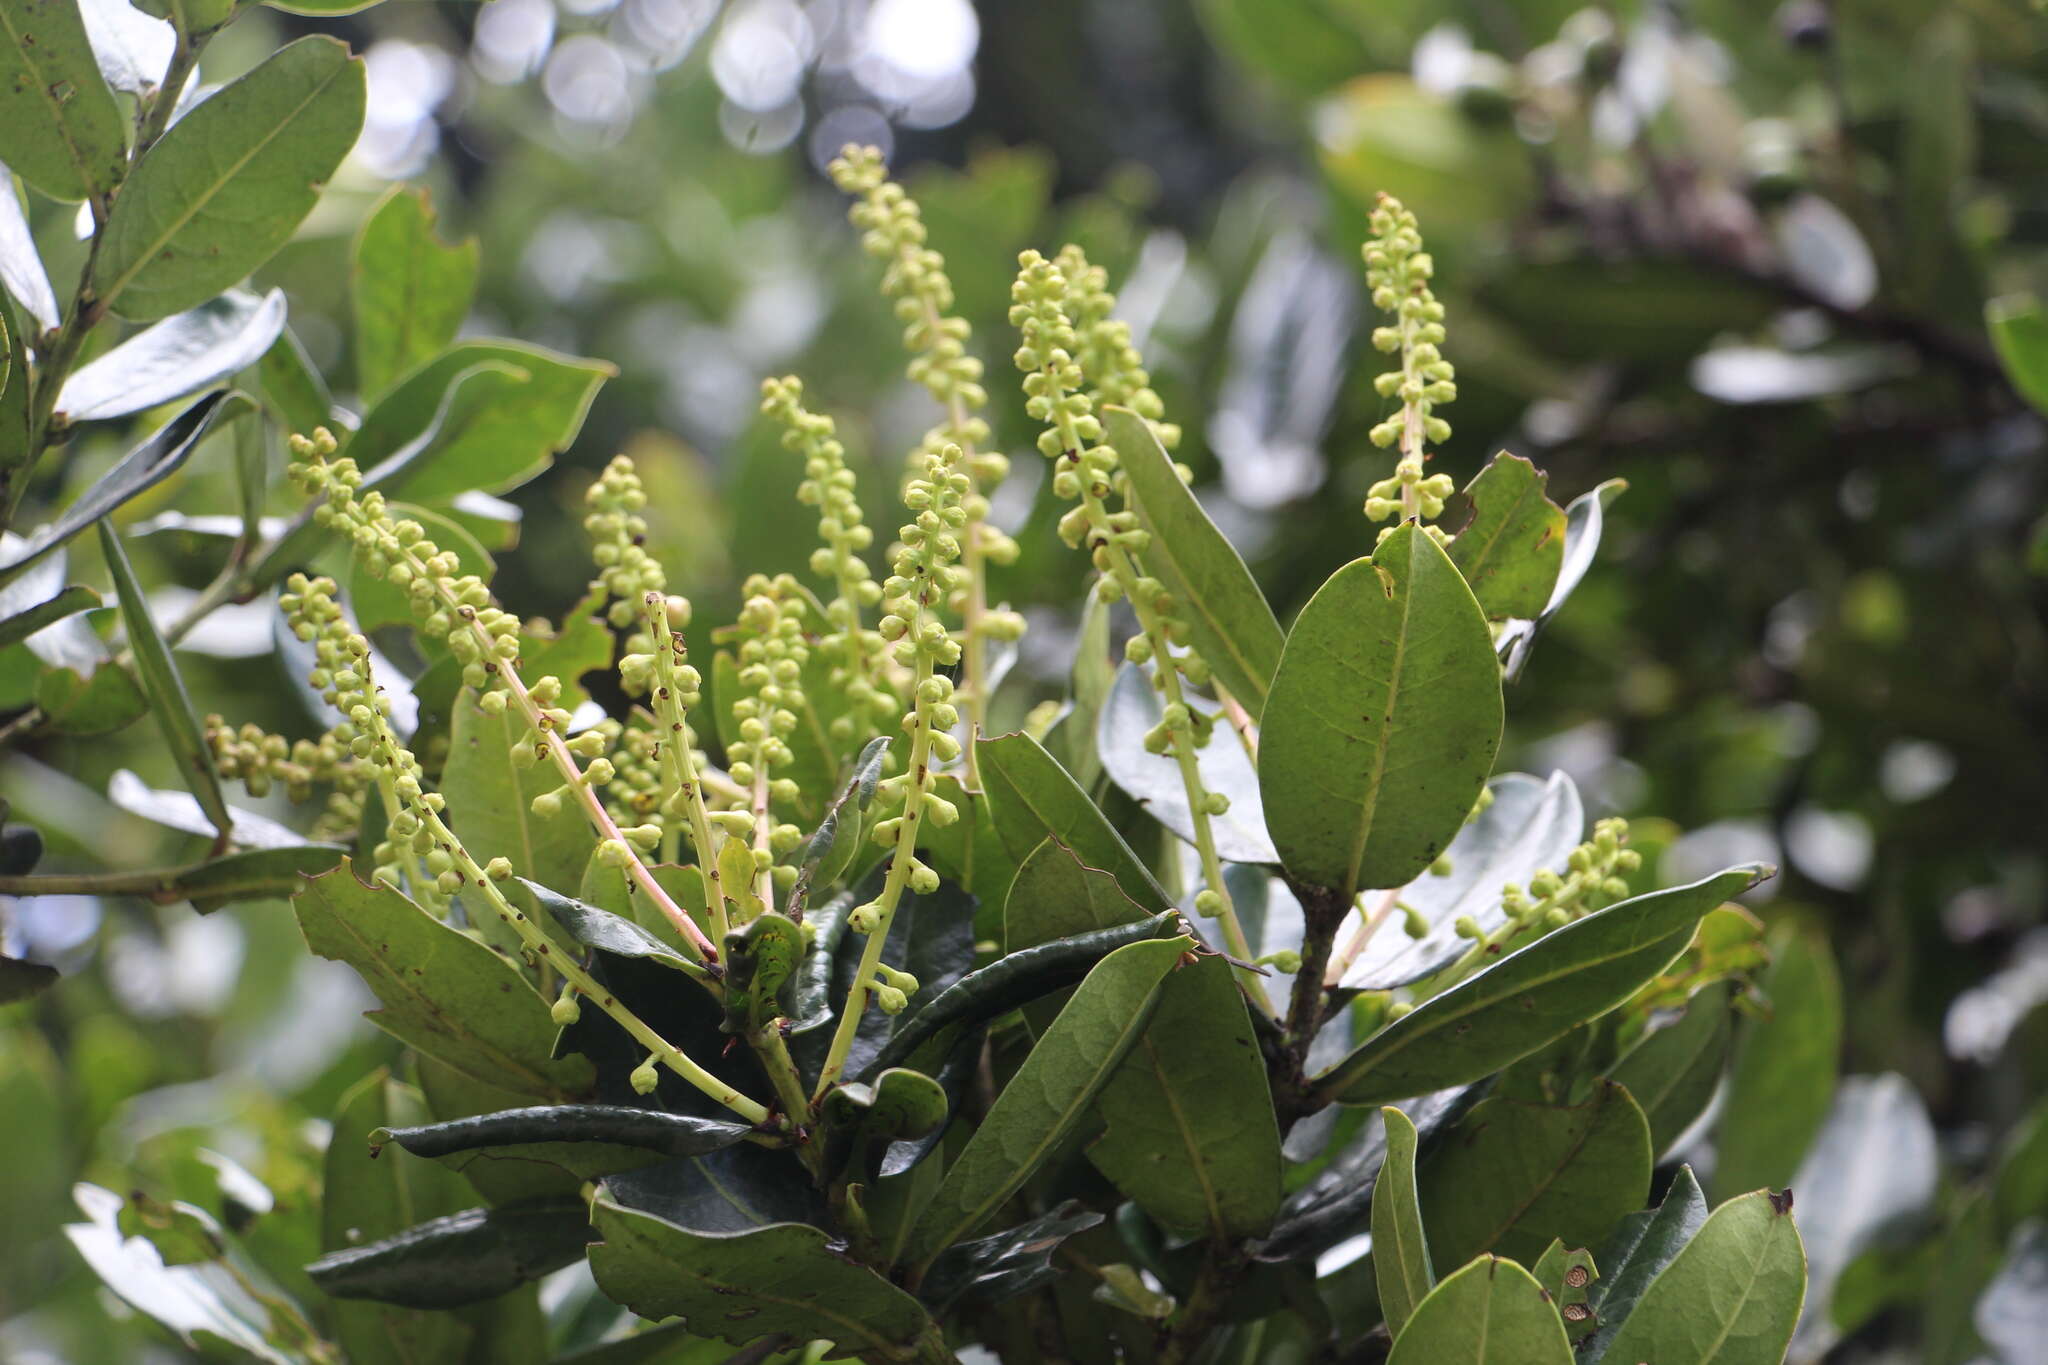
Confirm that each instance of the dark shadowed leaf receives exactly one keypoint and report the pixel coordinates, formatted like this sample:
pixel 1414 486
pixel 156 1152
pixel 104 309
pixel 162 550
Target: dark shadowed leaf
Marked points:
pixel 460 1258
pixel 1637 1251
pixel 1005 1264
pixel 1674 1071
pixel 1731 1297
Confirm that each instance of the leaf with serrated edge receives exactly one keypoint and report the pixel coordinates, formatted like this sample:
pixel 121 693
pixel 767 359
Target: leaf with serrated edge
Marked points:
pixel 1400 1248
pixel 1530 997
pixel 1231 624
pixel 1049 1094
pixel 1383 720
pixel 1731 1297
pixel 1492 1312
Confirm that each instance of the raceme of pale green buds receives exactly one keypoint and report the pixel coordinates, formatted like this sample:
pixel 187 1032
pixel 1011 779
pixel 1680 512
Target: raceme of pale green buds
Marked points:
pixel 260 760
pixel 1398 272
pixel 452 605
pixel 1114 369
pixel 1593 879
pixel 626 573
pixel 771 656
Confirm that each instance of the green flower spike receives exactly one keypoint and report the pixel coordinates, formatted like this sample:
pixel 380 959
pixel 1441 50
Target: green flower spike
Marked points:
pixel 926 573
pixel 858 667
pixel 1085 473
pixel 771 658
pixel 892 229
pixel 1398 271
pixel 626 573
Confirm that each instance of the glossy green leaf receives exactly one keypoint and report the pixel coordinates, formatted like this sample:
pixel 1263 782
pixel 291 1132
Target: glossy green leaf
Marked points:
pixel 1515 1175
pixel 185 1299
pixel 60 127
pixel 181 810
pixel 1400 1247
pixel 1784 1069
pixel 782 1279
pixel 2019 331
pixel 229 183
pixel 1015 979
pixel 411 290
pixel 1510 542
pixel 68 602
pixel 1383 721
pixel 165 686
pixel 155 460
pixel 1049 1095
pixel 1230 623
pixel 837 840
pixel 601 929
pixel 1637 1251
pixel 1584 522
pixel 444 993
pixel 21 267
pixel 1869 1180
pixel 584 1141
pixel 1033 797
pixel 1492 1312
pixel 1731 1297
pixel 1674 1071
pixel 1154 780
pixel 1530 997
pixel 217 339
pixel 366 1200
pixel 496 441
pixel 899 1104
pixel 459 1258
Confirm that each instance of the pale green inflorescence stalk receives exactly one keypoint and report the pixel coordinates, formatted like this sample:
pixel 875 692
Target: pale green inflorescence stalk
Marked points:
pixel 1110 364
pixel 893 230
pixel 857 654
pixel 416 819
pixel 926 573
pixel 1398 271
pixel 1085 473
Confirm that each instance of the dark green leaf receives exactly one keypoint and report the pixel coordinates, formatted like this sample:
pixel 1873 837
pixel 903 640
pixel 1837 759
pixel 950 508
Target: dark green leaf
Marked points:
pixel 1383 721
pixel 190 351
pixel 141 468
pixel 782 1279
pixel 760 960
pixel 14 407
pixel 60 128
pixel 585 1141
pixel 498 440
pixel 1510 544
pixel 1731 1297
pixel 69 602
pixel 1674 1072
pixel 1637 1251
pixel 460 1258
pixel 1015 979
pixel 1492 1312
pixel 1528 826
pixel 1050 1093
pixel 900 1105
pixel 444 992
pixel 366 1201
pixel 1033 797
pixel 1530 997
pixel 1154 780
pixel 1784 1069
pixel 1940 148
pixel 833 845
pixel 165 686
pixel 230 182
pixel 1400 1248
pixel 1005 1264
pixel 601 929
pixel 735 1189
pixel 21 980
pixel 295 390
pixel 1232 627
pixel 1515 1175
pixel 411 291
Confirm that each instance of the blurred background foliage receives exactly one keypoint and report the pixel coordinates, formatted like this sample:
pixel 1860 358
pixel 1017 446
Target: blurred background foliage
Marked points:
pixel 1736 252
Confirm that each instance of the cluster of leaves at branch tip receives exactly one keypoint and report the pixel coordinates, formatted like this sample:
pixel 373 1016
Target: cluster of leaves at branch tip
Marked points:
pixel 1398 271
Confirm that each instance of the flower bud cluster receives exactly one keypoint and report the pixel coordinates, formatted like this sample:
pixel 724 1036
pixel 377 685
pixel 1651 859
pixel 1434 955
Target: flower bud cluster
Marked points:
pixel 771 655
pixel 1115 370
pixel 828 485
pixel 453 606
pixel 1594 878
pixel 1398 271
pixel 626 573
pixel 263 761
